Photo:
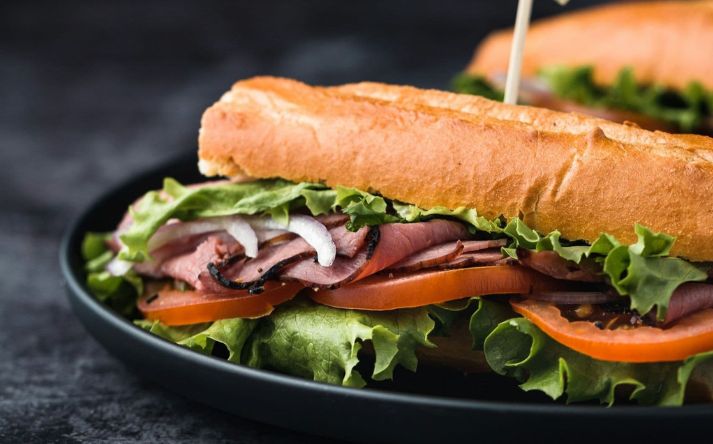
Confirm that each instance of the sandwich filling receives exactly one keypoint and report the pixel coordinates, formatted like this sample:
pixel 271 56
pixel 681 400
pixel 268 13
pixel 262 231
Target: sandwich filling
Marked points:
pixel 296 277
pixel 574 89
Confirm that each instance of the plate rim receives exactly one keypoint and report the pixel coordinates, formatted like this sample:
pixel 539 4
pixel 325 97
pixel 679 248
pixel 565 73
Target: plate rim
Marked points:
pixel 71 239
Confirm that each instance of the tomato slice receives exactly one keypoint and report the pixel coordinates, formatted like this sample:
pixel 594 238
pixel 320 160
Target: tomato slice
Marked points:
pixel 387 292
pixel 691 335
pixel 175 307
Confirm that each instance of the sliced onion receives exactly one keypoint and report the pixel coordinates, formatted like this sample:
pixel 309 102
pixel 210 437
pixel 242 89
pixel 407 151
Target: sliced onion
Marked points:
pixel 309 229
pixel 574 297
pixel 118 267
pixel 236 226
pixel 242 232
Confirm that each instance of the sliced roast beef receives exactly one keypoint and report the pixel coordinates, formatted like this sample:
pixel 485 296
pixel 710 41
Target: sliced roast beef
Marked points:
pixel 332 220
pixel 348 243
pixel 491 256
pixel 399 241
pixel 454 255
pixel 430 257
pixel 188 267
pixel 688 299
pixel 478 245
pixel 395 243
pixel 552 264
pixel 342 271
pixel 271 260
pixel 175 249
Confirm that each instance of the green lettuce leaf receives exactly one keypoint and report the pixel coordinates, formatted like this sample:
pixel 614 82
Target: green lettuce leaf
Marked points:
pixel 363 208
pixel 274 197
pixel 446 314
pixel 486 317
pixel 476 85
pixel 643 271
pixel 322 343
pixel 519 349
pixel 118 292
pixel 370 209
pixel 232 333
pixel 319 201
pixel 412 213
pixel 685 109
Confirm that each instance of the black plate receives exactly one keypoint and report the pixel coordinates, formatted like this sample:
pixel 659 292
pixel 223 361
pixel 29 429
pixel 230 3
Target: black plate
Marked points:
pixel 433 405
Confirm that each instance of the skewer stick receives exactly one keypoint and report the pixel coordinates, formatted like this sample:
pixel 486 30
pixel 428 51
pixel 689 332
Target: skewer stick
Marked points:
pixel 522 22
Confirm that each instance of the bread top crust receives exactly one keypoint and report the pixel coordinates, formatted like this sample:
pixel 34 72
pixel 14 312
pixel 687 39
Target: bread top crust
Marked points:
pixel 667 43
pixel 577 174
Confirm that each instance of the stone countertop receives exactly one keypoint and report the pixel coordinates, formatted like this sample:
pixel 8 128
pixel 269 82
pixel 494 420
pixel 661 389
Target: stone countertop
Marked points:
pixel 91 93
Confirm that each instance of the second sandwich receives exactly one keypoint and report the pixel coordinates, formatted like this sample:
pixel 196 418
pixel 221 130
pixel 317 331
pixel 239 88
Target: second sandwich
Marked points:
pixel 643 62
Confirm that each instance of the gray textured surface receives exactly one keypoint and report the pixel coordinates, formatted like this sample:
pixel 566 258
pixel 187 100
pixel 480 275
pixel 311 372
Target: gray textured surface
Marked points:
pixel 91 92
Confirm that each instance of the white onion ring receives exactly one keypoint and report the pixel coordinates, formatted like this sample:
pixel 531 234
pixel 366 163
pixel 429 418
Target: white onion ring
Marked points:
pixel 574 297
pixel 118 267
pixel 309 229
pixel 236 226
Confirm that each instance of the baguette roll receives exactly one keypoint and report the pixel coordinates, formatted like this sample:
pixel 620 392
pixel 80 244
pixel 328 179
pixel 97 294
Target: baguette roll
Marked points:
pixel 580 175
pixel 666 43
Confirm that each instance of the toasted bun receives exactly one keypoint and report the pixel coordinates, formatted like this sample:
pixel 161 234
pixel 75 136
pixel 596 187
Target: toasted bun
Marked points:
pixel 667 43
pixel 581 175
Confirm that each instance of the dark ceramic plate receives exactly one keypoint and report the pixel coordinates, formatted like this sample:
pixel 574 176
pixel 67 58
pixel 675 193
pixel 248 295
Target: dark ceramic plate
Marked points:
pixel 432 405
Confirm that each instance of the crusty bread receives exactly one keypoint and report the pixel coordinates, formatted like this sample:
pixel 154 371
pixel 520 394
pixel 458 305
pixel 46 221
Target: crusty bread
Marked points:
pixel 667 43
pixel 580 175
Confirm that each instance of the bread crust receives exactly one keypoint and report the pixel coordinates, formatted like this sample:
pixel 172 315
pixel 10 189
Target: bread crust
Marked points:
pixel 580 175
pixel 666 43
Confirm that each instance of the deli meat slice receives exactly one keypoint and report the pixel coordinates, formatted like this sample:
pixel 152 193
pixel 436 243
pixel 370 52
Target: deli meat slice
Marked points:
pixel 454 255
pixel 332 220
pixel 478 245
pixel 348 243
pixel 268 259
pixel 342 271
pixel 393 243
pixel 189 266
pixel 687 299
pixel 552 264
pixel 430 257
pixel 272 259
pixel 491 256
pixel 175 249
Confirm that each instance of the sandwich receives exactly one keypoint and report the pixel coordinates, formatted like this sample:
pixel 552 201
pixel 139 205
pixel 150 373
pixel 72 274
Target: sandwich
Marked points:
pixel 351 230
pixel 644 62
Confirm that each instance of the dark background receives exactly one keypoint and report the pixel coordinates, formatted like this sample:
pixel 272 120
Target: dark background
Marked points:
pixel 92 92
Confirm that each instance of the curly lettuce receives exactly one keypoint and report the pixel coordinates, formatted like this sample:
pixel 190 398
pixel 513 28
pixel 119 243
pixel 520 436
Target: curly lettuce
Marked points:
pixel 119 292
pixel 685 109
pixel 202 338
pixel 312 341
pixel 476 85
pixel 517 348
pixel 323 343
